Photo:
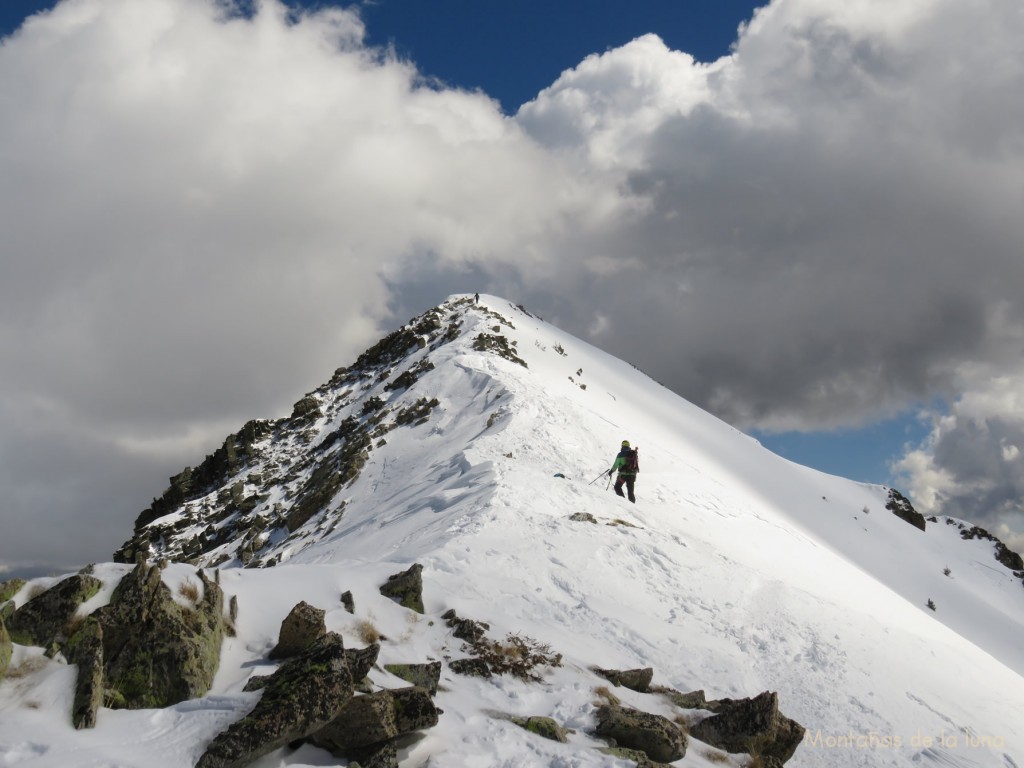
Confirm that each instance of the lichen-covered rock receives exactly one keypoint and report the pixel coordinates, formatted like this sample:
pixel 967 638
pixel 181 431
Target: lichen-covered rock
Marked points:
pixel 365 720
pixel 85 650
pixel 656 736
pixel 406 588
pixel 583 517
pixel 303 625
pixel 10 588
pixel 750 725
pixel 305 693
pixel 375 719
pixel 361 660
pixel 689 700
pixel 156 652
pixel 414 709
pixel 544 727
pixel 638 680
pixel 375 756
pixel 6 649
pixel 424 675
pixel 42 619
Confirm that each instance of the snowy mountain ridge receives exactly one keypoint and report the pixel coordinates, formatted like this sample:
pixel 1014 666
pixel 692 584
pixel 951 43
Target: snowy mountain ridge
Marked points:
pixel 735 572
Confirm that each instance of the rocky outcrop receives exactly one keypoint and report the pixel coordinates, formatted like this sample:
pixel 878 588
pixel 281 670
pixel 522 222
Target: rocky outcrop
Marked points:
pixel 6 649
pixel 424 675
pixel 157 652
pixel 750 725
pixel 656 736
pixel 43 619
pixel 406 588
pixel 638 680
pixel 85 650
pixel 301 697
pixel 300 629
pixel 900 506
pixel 465 629
pixel 1003 554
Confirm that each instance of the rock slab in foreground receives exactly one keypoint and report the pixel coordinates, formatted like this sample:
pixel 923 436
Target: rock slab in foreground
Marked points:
pixel 751 725
pixel 301 697
pixel 656 736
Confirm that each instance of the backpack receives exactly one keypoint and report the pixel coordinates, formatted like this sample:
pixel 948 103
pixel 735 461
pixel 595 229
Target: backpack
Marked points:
pixel 631 464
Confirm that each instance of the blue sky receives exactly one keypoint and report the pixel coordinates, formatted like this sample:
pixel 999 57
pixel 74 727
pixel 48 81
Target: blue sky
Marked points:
pixel 812 238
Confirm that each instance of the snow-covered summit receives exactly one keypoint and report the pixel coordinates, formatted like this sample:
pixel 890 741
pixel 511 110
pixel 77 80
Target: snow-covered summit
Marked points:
pixel 464 442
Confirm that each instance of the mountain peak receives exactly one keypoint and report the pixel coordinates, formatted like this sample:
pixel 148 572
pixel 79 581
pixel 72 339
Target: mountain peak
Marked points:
pixel 473 442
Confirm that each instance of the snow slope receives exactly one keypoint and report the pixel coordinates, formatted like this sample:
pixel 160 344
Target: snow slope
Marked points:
pixel 736 572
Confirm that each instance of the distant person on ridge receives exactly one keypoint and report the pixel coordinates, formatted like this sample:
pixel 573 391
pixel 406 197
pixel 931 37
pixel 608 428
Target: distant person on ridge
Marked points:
pixel 628 465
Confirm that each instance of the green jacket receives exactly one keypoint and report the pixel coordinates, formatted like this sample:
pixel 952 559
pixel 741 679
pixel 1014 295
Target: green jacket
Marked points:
pixel 620 463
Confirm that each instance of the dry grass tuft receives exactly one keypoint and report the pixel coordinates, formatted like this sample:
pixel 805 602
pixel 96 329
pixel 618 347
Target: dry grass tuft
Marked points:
pixel 716 756
pixel 605 696
pixel 189 591
pixel 367 632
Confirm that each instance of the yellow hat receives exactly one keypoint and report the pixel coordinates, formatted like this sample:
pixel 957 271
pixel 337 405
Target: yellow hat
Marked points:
pixel 625 443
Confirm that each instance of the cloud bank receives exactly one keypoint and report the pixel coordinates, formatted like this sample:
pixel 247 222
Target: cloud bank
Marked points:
pixel 206 212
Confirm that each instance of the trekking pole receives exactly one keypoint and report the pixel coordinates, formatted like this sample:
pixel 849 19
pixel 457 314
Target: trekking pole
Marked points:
pixel 596 478
pixel 609 483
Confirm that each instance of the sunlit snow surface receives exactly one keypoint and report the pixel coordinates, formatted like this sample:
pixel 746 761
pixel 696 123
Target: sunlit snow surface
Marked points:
pixel 736 572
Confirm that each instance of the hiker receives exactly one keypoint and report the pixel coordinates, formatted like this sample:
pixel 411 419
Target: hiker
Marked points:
pixel 476 298
pixel 628 465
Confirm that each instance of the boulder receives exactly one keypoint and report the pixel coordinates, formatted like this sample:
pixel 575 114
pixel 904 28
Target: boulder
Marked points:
pixel 656 736
pixel 638 680
pixel 424 675
pixel 375 719
pixel 406 588
pixel 360 661
pixel 365 720
pixel 85 650
pixel 42 620
pixel 375 756
pixel 305 693
pixel 156 652
pixel 544 727
pixel 690 700
pixel 300 629
pixel 414 709
pixel 750 725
